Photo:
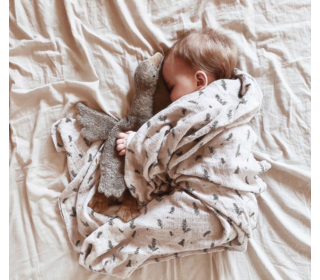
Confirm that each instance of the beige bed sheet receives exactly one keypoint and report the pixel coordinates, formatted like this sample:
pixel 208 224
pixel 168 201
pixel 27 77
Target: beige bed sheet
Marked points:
pixel 65 51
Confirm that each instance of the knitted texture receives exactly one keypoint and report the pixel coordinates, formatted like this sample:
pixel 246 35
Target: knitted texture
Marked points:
pixel 100 126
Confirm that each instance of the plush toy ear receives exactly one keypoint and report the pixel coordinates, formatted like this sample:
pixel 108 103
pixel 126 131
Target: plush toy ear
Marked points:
pixel 96 125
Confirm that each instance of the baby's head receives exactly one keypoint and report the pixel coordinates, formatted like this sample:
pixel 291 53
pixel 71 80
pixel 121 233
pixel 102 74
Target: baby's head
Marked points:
pixel 197 59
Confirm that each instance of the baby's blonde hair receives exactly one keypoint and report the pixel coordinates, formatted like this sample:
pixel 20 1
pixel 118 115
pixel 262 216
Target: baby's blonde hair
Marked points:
pixel 208 50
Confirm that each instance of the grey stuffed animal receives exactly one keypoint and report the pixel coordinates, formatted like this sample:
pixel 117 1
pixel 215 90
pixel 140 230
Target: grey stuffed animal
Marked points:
pixel 100 126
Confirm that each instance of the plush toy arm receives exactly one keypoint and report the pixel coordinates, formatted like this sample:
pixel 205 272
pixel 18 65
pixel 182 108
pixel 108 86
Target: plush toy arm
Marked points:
pixel 96 125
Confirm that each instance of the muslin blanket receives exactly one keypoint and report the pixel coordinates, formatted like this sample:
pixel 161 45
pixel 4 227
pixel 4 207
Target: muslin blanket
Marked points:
pixel 191 169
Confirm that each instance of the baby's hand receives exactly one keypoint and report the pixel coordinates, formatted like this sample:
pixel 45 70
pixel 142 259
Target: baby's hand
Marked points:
pixel 122 142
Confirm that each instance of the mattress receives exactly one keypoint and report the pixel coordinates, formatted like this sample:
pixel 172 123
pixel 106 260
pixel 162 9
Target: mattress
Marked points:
pixel 62 52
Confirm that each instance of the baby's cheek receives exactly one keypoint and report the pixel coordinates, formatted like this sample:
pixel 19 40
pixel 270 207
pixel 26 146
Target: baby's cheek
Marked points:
pixel 174 96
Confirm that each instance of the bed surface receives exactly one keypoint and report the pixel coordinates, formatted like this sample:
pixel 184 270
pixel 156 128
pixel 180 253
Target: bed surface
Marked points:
pixel 62 52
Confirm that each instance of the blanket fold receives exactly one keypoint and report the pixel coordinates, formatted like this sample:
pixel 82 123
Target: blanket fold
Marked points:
pixel 202 143
pixel 191 169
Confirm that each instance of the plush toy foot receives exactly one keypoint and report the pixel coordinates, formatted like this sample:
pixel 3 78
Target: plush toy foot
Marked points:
pixel 129 208
pixel 99 202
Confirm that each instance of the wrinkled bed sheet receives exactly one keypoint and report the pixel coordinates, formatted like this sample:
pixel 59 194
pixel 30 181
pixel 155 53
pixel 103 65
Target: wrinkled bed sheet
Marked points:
pixel 62 52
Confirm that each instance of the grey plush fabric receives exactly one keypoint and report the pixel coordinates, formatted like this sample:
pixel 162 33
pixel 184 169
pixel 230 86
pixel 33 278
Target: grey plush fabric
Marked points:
pixel 96 125
pixel 100 126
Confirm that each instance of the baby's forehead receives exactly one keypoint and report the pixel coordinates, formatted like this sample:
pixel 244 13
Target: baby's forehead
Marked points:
pixel 168 64
pixel 168 59
pixel 173 64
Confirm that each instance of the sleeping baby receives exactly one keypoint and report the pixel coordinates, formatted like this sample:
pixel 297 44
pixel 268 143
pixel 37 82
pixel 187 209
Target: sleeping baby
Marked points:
pixel 191 176
pixel 197 59
pixel 192 179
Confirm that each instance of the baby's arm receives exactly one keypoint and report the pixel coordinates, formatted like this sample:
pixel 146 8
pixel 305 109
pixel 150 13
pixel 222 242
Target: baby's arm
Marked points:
pixel 123 141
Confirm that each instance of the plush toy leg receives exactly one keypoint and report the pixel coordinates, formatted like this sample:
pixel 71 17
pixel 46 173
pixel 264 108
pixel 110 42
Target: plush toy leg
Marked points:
pixel 99 202
pixel 129 208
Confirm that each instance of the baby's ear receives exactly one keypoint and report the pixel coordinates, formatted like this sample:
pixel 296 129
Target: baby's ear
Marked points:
pixel 202 79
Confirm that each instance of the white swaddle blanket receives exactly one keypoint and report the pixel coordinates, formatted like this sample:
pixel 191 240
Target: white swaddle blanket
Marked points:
pixel 191 168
